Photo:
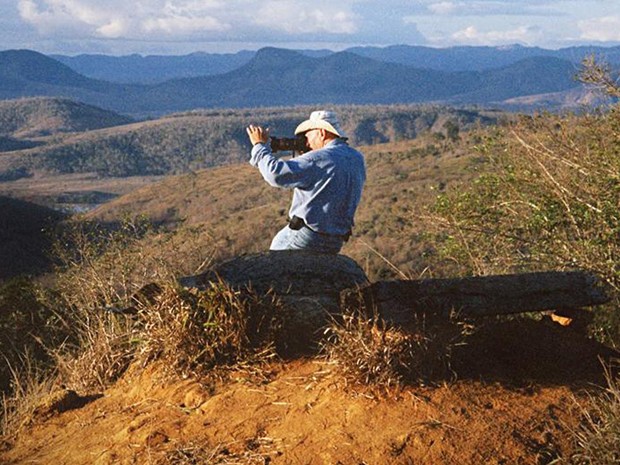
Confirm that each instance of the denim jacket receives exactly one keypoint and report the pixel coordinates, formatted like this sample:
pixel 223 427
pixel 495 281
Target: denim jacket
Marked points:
pixel 327 183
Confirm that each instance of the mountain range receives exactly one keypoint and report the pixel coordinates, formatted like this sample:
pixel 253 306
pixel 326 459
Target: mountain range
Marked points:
pixel 275 77
pixel 150 69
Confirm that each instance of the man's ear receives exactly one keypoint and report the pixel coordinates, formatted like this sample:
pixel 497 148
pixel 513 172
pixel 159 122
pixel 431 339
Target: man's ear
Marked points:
pixel 326 135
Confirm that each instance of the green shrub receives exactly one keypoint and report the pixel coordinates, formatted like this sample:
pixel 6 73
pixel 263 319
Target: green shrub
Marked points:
pixel 548 200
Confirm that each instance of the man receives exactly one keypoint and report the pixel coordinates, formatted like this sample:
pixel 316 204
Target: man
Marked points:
pixel 327 184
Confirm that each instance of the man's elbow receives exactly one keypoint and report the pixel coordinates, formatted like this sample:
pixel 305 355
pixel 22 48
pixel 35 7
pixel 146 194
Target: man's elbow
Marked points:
pixel 273 183
pixel 272 179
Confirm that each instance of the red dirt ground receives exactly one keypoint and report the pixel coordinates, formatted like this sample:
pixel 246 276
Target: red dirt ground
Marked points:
pixel 515 401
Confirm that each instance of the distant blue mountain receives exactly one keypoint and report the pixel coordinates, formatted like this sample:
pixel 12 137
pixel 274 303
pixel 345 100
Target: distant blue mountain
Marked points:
pixel 138 69
pixel 25 73
pixel 479 58
pixel 285 77
pixel 150 69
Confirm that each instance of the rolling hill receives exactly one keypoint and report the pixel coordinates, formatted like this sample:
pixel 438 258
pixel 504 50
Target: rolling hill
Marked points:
pixel 35 117
pixel 25 73
pixel 472 58
pixel 189 141
pixel 283 77
pixel 25 237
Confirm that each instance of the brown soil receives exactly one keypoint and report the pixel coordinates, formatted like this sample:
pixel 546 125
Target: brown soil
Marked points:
pixel 514 401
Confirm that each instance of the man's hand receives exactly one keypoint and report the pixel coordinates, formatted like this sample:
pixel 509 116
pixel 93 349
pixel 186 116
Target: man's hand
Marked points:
pixel 257 134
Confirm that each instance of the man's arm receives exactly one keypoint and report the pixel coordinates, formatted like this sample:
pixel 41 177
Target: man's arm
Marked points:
pixel 278 173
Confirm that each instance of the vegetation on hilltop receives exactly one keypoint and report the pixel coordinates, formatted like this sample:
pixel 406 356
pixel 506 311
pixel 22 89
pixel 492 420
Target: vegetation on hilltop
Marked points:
pixel 190 141
pixel 44 116
pixel 550 202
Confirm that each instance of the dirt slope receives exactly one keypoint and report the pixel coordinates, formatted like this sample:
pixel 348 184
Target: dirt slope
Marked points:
pixel 513 402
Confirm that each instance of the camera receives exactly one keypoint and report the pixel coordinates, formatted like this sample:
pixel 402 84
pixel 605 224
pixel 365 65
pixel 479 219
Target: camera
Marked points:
pixel 295 144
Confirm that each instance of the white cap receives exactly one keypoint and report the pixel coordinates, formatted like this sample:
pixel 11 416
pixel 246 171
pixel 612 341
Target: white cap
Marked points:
pixel 322 119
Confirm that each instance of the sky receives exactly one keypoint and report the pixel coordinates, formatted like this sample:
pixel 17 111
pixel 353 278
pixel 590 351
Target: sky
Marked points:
pixel 147 27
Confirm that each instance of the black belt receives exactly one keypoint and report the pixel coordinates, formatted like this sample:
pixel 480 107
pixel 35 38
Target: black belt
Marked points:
pixel 296 223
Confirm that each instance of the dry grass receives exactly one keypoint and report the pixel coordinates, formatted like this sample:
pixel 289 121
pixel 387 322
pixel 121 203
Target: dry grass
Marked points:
pixel 29 385
pixel 193 454
pixel 105 346
pixel 103 266
pixel 197 331
pixel 598 439
pixel 368 351
pixel 192 332
pixel 103 269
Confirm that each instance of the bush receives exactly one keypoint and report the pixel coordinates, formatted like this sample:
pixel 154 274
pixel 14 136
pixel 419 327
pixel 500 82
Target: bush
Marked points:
pixel 368 351
pixel 101 273
pixel 194 332
pixel 101 266
pixel 28 326
pixel 549 200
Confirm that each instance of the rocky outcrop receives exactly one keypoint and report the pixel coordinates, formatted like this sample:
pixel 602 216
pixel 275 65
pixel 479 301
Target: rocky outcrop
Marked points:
pixel 309 285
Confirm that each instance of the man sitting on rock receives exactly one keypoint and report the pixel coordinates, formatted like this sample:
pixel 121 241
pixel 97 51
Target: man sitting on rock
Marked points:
pixel 327 184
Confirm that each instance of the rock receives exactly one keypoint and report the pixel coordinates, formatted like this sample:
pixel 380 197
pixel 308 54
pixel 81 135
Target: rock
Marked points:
pixel 309 285
pixel 286 272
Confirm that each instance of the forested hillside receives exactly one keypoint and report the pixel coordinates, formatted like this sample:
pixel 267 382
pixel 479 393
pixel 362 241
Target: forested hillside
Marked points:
pixel 189 141
pixel 35 117
pixel 26 232
pixel 151 69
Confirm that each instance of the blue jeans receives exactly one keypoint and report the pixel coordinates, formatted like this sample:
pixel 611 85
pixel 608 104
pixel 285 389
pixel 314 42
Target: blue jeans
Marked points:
pixel 306 239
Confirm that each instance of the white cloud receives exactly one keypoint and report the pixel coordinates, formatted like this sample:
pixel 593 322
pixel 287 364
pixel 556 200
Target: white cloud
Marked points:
pixel 75 17
pixel 172 25
pixel 302 17
pixel 493 7
pixel 120 18
pixel 47 20
pixel 443 8
pixel 600 29
pixel 472 36
pixel 216 24
pixel 185 18
pixel 114 29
